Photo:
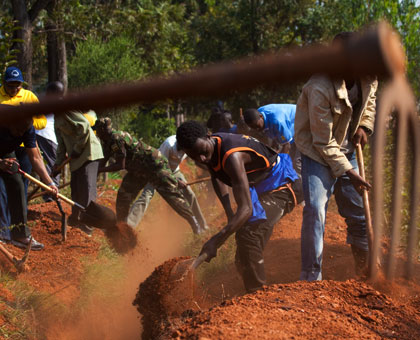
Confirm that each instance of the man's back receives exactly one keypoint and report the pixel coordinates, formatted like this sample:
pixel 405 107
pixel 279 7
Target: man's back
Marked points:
pixel 169 149
pixel 279 121
pixel 74 134
pixel 140 157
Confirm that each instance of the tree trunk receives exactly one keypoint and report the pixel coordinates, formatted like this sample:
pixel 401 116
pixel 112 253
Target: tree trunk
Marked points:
pixel 24 56
pixel 25 20
pixel 56 46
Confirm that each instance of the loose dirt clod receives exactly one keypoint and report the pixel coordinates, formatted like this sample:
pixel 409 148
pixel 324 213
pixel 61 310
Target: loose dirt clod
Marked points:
pixel 160 297
pixel 123 238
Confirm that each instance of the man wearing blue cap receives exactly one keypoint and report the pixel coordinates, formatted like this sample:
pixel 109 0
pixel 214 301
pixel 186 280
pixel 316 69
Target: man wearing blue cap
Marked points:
pixel 12 93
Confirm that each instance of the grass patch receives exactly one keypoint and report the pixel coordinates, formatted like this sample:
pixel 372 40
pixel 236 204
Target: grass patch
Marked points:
pixel 30 312
pixel 101 278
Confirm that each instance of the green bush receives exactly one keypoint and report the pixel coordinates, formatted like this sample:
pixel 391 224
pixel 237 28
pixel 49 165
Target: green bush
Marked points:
pixel 153 126
pixel 98 62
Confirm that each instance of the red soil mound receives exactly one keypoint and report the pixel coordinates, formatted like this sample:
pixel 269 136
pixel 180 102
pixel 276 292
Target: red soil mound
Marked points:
pixel 302 310
pixel 157 299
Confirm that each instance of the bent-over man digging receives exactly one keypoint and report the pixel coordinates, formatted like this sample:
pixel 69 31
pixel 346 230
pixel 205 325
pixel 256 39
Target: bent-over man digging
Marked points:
pixel 144 164
pixel 263 184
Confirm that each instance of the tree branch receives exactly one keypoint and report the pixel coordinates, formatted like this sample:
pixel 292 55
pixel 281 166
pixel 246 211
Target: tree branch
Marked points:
pixel 37 7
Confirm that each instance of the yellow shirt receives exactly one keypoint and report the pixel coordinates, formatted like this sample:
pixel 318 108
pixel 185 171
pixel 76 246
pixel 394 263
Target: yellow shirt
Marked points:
pixel 91 119
pixel 24 96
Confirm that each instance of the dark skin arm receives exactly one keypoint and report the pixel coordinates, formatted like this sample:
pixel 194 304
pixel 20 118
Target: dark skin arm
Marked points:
pixel 222 193
pixel 235 168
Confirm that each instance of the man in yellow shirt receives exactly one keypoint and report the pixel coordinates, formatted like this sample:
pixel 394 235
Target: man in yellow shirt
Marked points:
pixel 12 93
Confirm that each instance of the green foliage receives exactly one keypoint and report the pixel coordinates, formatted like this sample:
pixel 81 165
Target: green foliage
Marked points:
pixel 96 62
pixel 153 127
pixel 7 53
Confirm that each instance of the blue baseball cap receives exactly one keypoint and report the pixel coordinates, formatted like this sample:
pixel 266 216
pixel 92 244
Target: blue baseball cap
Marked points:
pixel 13 74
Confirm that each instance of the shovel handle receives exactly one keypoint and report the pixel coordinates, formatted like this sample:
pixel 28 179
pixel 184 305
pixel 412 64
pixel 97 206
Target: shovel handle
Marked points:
pixel 199 260
pixel 361 164
pixel 199 180
pixel 47 188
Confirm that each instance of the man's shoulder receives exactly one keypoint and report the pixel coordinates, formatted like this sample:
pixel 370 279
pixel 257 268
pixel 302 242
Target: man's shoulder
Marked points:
pixel 320 80
pixel 28 96
pixel 123 136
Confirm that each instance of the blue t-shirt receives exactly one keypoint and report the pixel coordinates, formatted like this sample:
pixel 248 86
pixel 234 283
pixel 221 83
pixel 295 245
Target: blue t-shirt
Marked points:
pixel 9 143
pixel 279 122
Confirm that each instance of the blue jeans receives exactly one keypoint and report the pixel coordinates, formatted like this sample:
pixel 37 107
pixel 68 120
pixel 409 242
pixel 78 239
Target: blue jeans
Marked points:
pixel 318 185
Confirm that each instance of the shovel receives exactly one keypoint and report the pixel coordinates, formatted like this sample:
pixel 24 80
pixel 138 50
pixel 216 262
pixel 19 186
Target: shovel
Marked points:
pixel 20 265
pixel 63 221
pixel 185 267
pixel 34 194
pixel 94 215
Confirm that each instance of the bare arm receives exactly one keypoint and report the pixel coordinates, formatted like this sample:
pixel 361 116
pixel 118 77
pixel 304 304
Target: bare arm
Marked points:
pixel 235 168
pixel 222 193
pixel 39 167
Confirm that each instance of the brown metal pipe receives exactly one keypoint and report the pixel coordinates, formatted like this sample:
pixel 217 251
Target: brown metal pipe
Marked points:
pixel 375 52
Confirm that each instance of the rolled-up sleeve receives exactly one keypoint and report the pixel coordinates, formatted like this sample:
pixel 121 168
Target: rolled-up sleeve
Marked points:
pixel 368 115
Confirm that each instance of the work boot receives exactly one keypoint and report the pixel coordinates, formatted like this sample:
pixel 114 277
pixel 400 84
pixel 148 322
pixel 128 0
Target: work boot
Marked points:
pixel 361 258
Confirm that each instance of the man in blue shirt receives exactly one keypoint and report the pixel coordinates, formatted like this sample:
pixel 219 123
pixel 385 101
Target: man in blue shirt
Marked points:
pixel 276 121
pixel 10 139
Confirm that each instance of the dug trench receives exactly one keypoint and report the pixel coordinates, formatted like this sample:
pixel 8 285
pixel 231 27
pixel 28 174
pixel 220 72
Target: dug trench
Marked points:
pixel 217 308
pixel 338 307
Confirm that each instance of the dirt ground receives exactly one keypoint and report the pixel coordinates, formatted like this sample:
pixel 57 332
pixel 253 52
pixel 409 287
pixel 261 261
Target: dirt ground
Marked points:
pixel 338 307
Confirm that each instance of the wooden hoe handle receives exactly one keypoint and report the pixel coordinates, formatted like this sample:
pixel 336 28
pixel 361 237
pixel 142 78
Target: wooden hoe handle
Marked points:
pixel 47 188
pixel 366 204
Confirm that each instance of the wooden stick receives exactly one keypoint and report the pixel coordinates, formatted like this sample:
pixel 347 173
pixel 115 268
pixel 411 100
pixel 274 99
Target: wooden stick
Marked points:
pixel 199 180
pixel 366 204
pixel 46 192
pixel 48 189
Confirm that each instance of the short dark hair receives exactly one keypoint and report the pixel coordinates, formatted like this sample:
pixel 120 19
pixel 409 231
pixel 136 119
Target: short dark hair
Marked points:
pixel 55 87
pixel 188 133
pixel 251 115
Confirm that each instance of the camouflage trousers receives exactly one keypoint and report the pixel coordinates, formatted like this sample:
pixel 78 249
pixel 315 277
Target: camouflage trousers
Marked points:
pixel 165 184
pixel 139 207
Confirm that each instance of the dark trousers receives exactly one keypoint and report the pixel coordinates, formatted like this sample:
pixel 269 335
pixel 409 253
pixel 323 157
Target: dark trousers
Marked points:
pixel 252 238
pixel 25 165
pixel 4 208
pixel 83 186
pixel 16 198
